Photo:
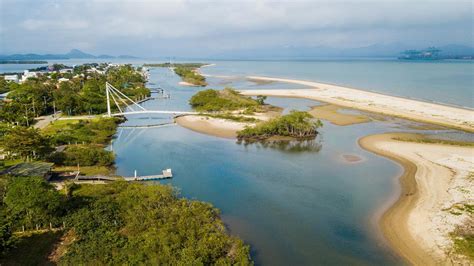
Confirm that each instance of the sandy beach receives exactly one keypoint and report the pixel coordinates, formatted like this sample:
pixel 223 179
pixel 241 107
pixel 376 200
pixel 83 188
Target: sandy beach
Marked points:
pixel 435 180
pixel 373 102
pixel 211 126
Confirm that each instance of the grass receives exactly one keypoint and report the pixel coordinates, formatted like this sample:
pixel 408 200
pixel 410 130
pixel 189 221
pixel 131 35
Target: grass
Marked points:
pixel 8 163
pixel 59 125
pixel 420 138
pixel 32 249
pixel 86 170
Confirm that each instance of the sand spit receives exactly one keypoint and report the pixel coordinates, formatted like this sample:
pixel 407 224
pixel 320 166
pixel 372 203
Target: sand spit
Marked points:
pixel 373 102
pixel 435 179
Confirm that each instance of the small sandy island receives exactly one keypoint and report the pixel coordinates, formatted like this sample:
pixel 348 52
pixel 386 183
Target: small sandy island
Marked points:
pixel 436 184
pixel 373 102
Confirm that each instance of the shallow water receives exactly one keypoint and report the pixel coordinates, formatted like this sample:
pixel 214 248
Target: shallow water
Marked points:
pixel 294 206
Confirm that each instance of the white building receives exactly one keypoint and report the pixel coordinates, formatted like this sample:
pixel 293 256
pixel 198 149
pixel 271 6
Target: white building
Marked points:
pixel 66 70
pixel 27 74
pixel 11 78
pixel 63 79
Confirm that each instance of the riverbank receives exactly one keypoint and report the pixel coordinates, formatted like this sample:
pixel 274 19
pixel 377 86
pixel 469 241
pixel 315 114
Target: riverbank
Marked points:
pixel 452 117
pixel 435 180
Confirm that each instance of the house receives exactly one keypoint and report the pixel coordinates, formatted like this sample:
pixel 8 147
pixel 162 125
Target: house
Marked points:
pixel 11 78
pixel 66 70
pixel 27 74
pixel 63 79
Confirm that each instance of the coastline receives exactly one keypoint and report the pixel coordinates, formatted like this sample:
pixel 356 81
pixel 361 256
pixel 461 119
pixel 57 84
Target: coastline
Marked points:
pixel 438 114
pixel 417 225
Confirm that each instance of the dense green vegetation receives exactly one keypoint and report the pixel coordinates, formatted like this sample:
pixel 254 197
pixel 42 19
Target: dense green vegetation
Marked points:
pixel 121 223
pixel 6 86
pixel 224 100
pixel 83 155
pixel 295 124
pixel 187 71
pixel 83 93
pixel 25 143
pixel 96 131
pixel 189 75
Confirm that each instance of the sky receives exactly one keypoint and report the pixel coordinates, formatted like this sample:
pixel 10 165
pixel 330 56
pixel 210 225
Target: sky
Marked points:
pixel 193 28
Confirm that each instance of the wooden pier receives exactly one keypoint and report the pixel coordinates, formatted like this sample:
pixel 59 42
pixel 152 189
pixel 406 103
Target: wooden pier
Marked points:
pixel 167 173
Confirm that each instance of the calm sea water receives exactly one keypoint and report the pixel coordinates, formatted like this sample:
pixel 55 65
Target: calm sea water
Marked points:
pixel 295 205
pixel 449 82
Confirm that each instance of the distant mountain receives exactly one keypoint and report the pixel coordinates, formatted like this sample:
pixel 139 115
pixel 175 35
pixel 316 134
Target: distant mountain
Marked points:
pixel 392 50
pixel 73 54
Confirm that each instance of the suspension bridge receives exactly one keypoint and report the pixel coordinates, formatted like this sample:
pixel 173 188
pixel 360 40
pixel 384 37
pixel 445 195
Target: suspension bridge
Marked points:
pixel 132 107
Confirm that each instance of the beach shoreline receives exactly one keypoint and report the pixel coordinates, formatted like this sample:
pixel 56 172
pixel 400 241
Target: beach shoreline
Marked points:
pixel 453 117
pixel 427 186
pixel 211 126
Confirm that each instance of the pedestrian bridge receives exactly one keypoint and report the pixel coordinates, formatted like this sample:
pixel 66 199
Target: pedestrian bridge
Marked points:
pixel 118 96
pixel 154 112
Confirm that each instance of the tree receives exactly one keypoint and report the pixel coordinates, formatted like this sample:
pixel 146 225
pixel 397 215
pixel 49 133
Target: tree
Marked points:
pixel 32 201
pixel 261 99
pixel 25 142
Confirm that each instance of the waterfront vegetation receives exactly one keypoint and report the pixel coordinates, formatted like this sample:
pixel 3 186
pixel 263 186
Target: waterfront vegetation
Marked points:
pixel 95 131
pixel 190 75
pixel 188 65
pixel 296 124
pixel 80 92
pixel 120 223
pixel 227 99
pixel 187 72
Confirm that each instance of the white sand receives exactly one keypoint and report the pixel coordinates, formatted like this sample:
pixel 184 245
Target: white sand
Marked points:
pixel 373 102
pixel 442 179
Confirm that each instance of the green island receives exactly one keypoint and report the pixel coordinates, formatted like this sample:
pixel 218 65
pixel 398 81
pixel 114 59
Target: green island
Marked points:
pixel 231 105
pixel 187 72
pixel 69 223
pixel 296 124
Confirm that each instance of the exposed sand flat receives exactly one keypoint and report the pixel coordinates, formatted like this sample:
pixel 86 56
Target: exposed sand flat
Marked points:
pixel 436 178
pixel 373 102
pixel 211 126
pixel 330 112
pixel 184 83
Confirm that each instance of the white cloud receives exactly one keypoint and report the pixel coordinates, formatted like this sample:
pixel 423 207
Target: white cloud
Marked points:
pixel 240 23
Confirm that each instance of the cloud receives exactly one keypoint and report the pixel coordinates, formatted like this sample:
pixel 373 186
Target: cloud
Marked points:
pixel 216 25
pixel 51 24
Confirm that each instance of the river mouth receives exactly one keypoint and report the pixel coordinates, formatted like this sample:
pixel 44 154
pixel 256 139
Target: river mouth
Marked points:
pixel 293 202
